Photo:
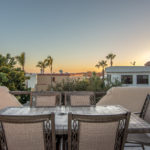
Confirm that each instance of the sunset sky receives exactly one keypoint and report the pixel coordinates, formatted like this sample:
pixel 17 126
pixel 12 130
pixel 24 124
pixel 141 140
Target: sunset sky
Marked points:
pixel 76 33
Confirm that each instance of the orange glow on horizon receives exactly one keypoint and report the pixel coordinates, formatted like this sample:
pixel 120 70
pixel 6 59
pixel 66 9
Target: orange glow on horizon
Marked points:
pixel 76 69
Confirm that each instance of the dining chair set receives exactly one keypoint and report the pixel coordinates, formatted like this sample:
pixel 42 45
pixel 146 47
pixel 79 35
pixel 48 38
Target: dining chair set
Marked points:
pixel 85 132
pixel 47 99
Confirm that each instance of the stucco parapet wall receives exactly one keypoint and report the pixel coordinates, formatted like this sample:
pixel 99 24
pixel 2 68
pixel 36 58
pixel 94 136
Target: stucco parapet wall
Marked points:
pixel 128 69
pixel 53 74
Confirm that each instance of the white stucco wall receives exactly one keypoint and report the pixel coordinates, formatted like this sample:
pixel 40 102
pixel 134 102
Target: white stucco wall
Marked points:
pixel 32 81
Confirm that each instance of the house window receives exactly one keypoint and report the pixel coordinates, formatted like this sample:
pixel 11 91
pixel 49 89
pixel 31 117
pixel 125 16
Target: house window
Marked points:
pixel 53 79
pixel 142 79
pixel 127 79
pixel 109 78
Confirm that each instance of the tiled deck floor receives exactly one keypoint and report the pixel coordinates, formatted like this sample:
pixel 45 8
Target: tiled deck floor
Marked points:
pixel 136 148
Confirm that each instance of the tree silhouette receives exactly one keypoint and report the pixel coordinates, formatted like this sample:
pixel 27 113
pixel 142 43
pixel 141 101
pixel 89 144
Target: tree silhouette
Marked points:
pixel 21 60
pixel 110 57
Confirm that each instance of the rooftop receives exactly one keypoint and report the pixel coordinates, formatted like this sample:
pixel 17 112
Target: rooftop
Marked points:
pixel 128 69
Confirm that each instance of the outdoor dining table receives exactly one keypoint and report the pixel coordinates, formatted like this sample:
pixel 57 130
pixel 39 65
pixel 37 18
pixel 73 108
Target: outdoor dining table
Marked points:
pixel 136 124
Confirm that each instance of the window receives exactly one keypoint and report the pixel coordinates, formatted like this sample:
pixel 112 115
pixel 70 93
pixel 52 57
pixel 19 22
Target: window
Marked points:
pixel 142 79
pixel 127 79
pixel 109 78
pixel 53 79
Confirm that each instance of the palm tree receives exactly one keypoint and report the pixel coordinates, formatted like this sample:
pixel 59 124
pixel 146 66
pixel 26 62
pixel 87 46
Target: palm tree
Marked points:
pixel 133 63
pixel 111 56
pixel 49 62
pixel 102 64
pixel 41 65
pixel 21 60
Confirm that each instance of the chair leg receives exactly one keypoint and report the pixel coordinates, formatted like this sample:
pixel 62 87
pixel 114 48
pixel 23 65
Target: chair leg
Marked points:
pixel 142 146
pixel 135 145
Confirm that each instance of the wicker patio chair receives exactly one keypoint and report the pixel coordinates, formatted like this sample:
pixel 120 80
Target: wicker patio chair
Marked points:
pixel 142 139
pixel 97 132
pixel 46 99
pixel 28 132
pixel 81 98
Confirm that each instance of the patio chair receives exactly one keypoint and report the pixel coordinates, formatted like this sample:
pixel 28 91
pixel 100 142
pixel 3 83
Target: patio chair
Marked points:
pixel 28 132
pixel 81 98
pixel 143 138
pixel 131 98
pixel 46 99
pixel 7 99
pixel 95 132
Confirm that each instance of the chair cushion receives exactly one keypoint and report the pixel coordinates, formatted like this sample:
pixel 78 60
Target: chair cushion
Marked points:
pixel 131 98
pixel 6 99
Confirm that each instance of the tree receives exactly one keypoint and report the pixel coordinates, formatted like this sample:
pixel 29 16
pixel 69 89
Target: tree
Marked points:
pixel 11 77
pixel 102 64
pixel 133 63
pixel 49 62
pixel 42 65
pixel 7 60
pixel 21 60
pixel 61 71
pixel 110 57
pixel 147 63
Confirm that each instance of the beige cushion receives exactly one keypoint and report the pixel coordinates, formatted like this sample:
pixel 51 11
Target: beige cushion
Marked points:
pixel 46 101
pixel 131 98
pixel 6 99
pixel 77 100
pixel 27 136
pixel 95 136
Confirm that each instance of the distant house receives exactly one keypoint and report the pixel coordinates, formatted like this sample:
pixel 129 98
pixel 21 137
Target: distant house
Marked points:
pixel 30 83
pixel 44 80
pixel 129 75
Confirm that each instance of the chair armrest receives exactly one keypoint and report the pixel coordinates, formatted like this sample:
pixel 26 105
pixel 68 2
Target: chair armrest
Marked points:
pixel 137 113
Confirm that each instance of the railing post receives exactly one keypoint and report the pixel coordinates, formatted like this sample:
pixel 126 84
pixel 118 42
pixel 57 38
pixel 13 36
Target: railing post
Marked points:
pixel 31 99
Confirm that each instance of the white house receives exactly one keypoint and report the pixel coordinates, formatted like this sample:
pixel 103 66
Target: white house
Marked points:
pixel 130 75
pixel 32 81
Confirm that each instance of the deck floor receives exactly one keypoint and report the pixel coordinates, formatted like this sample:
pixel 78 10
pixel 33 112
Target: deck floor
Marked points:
pixel 137 148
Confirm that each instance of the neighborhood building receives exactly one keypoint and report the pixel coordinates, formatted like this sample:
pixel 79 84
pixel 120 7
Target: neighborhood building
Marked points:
pixel 42 82
pixel 129 75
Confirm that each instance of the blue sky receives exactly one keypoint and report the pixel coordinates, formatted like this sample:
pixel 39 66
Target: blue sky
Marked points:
pixel 76 33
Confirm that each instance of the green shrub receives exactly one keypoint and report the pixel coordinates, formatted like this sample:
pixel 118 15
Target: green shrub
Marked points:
pixel 11 77
pixel 93 83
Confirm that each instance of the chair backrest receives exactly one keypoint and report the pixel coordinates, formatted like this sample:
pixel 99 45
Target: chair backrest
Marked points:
pixel 7 99
pixel 95 132
pixel 46 99
pixel 131 98
pixel 28 132
pixel 81 98
pixel 145 113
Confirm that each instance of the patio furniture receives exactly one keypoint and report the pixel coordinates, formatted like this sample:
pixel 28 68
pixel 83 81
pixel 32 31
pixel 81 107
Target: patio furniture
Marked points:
pixel 81 98
pixel 46 99
pixel 7 99
pixel 35 132
pixel 131 98
pixel 94 132
pixel 19 93
pixel 142 139
pixel 136 124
